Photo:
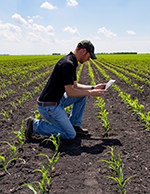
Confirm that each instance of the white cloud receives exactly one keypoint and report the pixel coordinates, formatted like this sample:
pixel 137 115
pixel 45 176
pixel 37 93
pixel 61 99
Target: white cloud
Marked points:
pixel 95 37
pixel 30 20
pixel 19 20
pixel 72 2
pixel 49 30
pixel 71 30
pixel 47 5
pixel 130 32
pixel 9 32
pixel 36 16
pixel 106 32
pixel 32 37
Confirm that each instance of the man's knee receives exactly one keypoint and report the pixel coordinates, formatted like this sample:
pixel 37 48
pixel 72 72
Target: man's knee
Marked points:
pixel 72 135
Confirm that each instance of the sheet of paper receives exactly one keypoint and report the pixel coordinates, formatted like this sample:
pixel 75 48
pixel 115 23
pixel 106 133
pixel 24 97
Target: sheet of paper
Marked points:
pixel 109 83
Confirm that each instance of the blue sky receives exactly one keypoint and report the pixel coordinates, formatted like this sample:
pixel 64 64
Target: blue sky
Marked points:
pixel 44 27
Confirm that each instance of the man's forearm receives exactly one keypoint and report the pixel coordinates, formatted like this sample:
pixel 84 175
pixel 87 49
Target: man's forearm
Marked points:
pixel 73 91
pixel 83 87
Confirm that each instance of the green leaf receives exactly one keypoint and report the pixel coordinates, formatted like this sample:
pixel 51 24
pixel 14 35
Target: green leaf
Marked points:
pixel 127 180
pixel 113 178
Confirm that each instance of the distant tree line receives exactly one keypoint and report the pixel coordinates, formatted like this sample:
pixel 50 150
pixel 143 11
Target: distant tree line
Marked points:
pixel 116 53
pixel 55 53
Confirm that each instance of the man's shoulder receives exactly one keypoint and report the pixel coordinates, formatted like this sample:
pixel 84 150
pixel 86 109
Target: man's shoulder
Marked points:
pixel 69 59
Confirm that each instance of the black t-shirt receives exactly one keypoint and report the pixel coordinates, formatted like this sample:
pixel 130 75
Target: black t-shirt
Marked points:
pixel 63 74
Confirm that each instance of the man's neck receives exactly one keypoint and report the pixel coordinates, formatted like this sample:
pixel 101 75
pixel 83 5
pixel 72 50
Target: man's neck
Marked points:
pixel 76 53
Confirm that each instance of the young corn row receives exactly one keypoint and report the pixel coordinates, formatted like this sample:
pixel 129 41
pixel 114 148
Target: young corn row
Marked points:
pixel 22 71
pixel 46 169
pixel 20 65
pixel 126 79
pixel 10 91
pixel 133 104
pixel 101 104
pixel 20 100
pixel 139 64
pixel 117 167
pixel 145 80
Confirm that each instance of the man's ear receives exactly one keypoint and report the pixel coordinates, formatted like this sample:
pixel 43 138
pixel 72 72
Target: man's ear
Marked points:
pixel 83 51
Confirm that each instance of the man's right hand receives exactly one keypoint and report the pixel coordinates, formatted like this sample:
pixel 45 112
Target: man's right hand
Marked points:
pixel 97 92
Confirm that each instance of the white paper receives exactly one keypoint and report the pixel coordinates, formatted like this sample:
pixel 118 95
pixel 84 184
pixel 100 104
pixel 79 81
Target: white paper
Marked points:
pixel 109 83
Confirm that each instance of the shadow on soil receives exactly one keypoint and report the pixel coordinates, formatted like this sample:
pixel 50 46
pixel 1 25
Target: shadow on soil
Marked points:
pixel 74 147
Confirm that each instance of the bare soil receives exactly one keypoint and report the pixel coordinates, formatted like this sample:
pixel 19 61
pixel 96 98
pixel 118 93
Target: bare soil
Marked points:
pixel 79 170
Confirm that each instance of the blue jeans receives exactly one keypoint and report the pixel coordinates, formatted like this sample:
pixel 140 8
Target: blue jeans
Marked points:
pixel 58 121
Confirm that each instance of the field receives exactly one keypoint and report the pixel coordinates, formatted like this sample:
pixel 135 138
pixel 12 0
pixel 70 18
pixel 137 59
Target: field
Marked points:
pixel 78 170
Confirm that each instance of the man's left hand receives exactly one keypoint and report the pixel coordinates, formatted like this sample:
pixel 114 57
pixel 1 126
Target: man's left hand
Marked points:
pixel 100 86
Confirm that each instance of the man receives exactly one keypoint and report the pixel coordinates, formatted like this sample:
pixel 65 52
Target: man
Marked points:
pixel 61 91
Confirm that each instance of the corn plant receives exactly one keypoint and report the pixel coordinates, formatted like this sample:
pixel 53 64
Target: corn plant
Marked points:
pixel 79 72
pixel 3 96
pixel 42 188
pixel 54 159
pixel 117 168
pixel 139 88
pixel 68 110
pixel 13 104
pixel 37 114
pixel 103 115
pixel 20 135
pixel 19 101
pixel 45 176
pixel 5 114
pixel 145 119
pixel 100 103
pixel 4 164
pixel 12 147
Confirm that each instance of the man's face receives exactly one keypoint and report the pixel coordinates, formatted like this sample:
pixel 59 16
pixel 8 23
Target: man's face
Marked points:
pixel 85 56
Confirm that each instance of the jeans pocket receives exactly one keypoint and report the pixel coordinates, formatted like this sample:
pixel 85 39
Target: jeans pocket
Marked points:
pixel 51 109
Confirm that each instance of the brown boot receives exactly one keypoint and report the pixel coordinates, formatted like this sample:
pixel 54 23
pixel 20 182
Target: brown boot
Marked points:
pixel 29 129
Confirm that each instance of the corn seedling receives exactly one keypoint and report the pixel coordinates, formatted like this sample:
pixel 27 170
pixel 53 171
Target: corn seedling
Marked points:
pixel 105 124
pixel 3 96
pixel 19 101
pixel 117 167
pixel 100 103
pixel 103 115
pixel 54 159
pixel 42 188
pixel 12 147
pixel 145 119
pixel 4 164
pixel 20 135
pixel 13 104
pixel 79 72
pixel 68 109
pixel 5 114
pixel 36 114
pixel 11 111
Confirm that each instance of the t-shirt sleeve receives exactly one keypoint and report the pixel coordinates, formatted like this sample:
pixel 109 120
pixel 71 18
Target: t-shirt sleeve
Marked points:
pixel 68 74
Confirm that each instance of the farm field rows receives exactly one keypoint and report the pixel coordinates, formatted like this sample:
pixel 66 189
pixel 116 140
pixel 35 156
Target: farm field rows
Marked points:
pixel 79 169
